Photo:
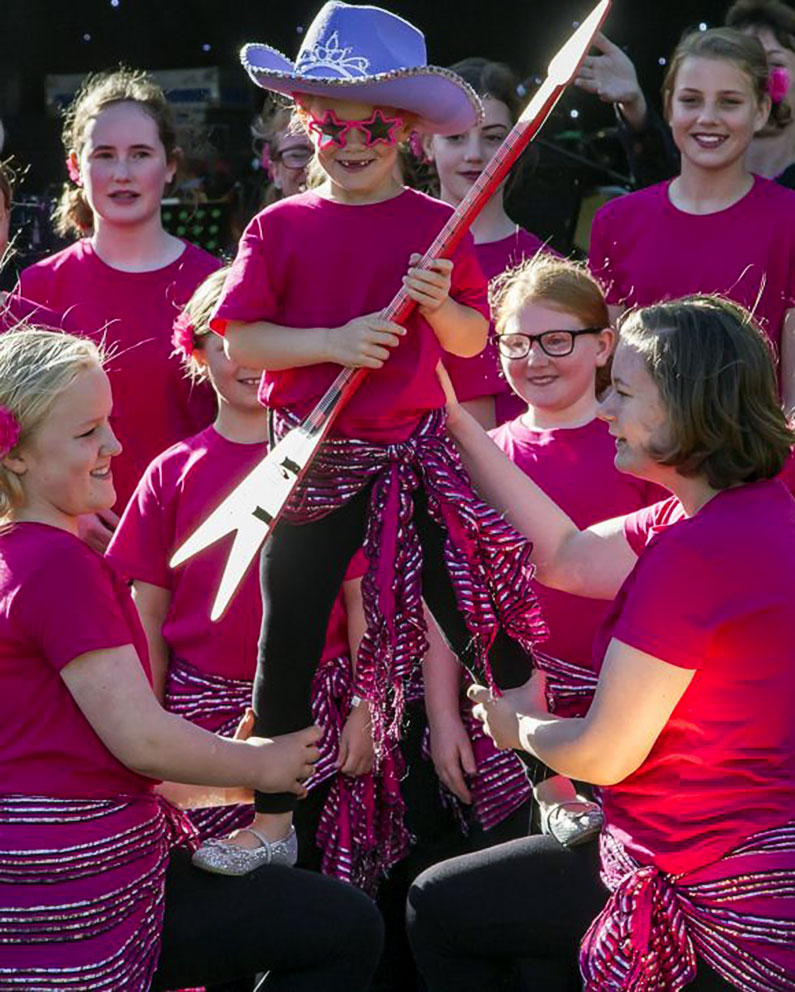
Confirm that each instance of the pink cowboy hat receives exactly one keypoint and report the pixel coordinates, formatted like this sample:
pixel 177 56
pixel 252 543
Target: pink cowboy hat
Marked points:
pixel 372 56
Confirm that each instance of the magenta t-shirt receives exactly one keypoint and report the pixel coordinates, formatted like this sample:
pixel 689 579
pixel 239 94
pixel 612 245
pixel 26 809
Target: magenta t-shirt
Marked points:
pixel 715 593
pixel 482 374
pixel 311 262
pixel 575 468
pixel 58 601
pixel 645 250
pixel 132 312
pixel 178 491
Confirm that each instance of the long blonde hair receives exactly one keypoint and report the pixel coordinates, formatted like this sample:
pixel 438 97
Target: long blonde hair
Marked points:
pixel 36 366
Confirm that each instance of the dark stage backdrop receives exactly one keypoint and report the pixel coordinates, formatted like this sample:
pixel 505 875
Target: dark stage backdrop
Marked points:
pixel 41 37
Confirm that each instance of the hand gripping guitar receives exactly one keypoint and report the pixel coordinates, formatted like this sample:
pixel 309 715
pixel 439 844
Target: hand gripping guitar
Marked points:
pixel 253 509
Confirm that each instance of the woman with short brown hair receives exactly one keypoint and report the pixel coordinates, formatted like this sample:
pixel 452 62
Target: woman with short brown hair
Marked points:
pixel 690 730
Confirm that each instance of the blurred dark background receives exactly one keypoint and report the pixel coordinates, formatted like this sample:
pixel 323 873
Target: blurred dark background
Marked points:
pixel 42 39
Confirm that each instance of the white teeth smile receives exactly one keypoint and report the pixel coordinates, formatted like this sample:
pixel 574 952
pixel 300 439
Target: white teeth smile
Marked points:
pixel 709 140
pixel 353 166
pixel 103 473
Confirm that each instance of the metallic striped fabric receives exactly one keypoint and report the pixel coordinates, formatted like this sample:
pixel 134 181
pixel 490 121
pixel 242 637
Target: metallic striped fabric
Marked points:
pixel 488 561
pixel 570 687
pixel 82 890
pixel 361 831
pixel 737 914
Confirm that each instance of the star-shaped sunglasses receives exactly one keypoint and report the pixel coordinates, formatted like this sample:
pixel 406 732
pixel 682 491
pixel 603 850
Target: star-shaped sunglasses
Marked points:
pixel 377 128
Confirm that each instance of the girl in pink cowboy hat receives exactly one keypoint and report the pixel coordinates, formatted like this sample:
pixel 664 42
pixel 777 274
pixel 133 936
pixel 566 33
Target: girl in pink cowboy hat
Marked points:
pixel 303 298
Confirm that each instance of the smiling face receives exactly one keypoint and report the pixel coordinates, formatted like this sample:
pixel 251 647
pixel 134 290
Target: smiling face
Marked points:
pixel 357 173
pixel 289 162
pixel 122 165
pixel 235 385
pixel 460 158
pixel 65 467
pixel 637 417
pixel 714 112
pixel 564 386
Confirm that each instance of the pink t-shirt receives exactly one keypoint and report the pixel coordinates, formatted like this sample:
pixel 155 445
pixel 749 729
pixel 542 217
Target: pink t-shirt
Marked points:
pixel 58 601
pixel 132 312
pixel 311 262
pixel 575 467
pixel 177 492
pixel 644 250
pixel 482 375
pixel 715 593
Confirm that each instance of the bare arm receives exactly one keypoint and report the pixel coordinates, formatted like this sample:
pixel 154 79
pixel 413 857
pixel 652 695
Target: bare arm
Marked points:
pixel 593 562
pixel 363 342
pixel 461 330
pixel 451 749
pixel 788 363
pixel 634 700
pixel 111 690
pixel 152 603
pixel 357 753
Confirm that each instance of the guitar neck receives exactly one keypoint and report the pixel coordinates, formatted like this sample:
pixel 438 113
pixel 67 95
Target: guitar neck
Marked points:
pixel 318 422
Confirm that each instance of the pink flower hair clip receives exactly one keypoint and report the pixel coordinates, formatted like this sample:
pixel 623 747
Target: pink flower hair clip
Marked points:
pixel 778 83
pixel 9 431
pixel 182 337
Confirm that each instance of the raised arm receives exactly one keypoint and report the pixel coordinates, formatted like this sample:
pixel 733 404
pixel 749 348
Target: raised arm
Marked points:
pixel 592 562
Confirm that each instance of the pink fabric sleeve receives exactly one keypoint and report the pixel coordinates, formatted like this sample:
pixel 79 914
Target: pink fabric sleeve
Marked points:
pixel 469 286
pixel 67 619
pixel 247 294
pixel 142 543
pixel 674 606
pixel 637 525
pixel 599 261
pixel 358 566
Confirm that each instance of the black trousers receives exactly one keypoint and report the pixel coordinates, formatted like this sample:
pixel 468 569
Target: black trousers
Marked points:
pixel 301 570
pixel 308 931
pixel 511 917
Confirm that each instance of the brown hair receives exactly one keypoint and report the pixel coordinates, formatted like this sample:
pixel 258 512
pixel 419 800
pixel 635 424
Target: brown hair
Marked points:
pixel 559 284
pixel 772 14
pixel 745 51
pixel 715 371
pixel 73 215
pixel 199 309
pixel 498 81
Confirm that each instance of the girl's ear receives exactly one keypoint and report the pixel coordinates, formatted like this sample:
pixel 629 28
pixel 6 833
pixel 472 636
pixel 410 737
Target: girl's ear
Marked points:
pixel 14 464
pixel 606 340
pixel 763 113
pixel 73 168
pixel 173 164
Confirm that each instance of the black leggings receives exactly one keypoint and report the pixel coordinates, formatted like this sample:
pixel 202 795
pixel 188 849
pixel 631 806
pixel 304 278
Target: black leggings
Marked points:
pixel 511 917
pixel 308 931
pixel 301 571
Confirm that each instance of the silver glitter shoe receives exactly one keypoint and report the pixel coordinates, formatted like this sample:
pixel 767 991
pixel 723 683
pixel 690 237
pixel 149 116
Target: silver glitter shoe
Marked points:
pixel 572 823
pixel 228 859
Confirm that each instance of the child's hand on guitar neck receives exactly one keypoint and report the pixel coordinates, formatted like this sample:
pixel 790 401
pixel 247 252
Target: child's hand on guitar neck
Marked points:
pixel 429 287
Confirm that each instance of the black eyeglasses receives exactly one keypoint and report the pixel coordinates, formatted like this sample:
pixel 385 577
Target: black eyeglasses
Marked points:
pixel 556 344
